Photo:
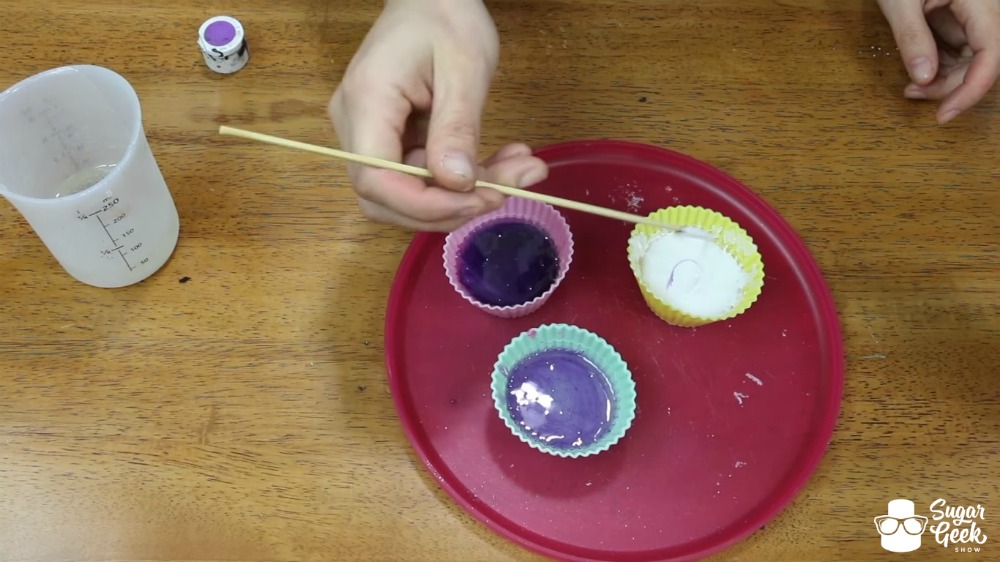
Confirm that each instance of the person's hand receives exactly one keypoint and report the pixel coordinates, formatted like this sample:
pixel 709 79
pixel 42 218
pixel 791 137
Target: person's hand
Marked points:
pixel 962 65
pixel 414 92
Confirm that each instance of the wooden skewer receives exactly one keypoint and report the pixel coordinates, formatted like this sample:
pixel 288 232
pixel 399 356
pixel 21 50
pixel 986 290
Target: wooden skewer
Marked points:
pixel 421 172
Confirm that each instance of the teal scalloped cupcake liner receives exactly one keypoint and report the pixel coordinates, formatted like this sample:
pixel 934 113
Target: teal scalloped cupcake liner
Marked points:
pixel 597 351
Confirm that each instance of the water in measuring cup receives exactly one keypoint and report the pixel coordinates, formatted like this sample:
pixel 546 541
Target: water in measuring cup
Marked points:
pixel 83 179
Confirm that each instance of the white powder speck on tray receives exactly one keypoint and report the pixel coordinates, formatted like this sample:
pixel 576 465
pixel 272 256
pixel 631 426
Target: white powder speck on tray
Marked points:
pixel 692 273
pixel 634 202
pixel 755 379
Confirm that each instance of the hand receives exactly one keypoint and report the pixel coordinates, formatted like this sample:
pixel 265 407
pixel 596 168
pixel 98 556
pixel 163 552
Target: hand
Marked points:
pixel 962 66
pixel 414 92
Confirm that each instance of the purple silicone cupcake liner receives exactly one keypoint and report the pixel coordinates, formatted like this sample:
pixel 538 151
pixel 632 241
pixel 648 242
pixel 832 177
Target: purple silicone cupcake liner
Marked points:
pixel 542 216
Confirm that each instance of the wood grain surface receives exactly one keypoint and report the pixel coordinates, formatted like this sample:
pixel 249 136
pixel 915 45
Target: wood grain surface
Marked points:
pixel 244 414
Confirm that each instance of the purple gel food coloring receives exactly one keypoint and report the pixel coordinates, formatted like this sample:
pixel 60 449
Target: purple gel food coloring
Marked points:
pixel 220 33
pixel 508 263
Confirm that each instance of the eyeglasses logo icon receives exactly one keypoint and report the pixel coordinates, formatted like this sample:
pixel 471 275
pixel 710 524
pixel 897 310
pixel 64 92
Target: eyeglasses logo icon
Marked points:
pixel 901 528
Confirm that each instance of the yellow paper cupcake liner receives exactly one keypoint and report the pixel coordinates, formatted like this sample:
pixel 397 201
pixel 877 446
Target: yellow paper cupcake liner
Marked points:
pixel 727 233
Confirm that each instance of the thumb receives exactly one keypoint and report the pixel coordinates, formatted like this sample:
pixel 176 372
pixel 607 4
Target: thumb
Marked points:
pixel 913 37
pixel 453 132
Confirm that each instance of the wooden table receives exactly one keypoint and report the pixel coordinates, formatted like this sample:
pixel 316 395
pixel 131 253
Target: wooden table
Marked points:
pixel 244 414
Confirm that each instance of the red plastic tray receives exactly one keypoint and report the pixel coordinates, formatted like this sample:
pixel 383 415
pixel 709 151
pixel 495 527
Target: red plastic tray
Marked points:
pixel 732 417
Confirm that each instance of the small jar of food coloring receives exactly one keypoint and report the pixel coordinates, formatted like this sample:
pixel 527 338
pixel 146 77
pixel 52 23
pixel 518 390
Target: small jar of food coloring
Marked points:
pixel 223 44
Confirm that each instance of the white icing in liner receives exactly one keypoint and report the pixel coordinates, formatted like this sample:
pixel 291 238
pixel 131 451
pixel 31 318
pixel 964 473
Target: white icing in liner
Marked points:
pixel 692 273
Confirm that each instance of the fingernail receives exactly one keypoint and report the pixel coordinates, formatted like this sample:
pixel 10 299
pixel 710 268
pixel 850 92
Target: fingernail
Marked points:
pixel 532 177
pixel 921 69
pixel 457 163
pixel 914 92
pixel 948 116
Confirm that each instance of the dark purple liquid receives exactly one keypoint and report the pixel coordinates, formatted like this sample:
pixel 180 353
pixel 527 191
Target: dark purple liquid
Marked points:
pixel 560 398
pixel 508 263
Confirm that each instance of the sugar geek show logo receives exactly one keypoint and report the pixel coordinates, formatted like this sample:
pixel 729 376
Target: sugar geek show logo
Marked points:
pixel 956 527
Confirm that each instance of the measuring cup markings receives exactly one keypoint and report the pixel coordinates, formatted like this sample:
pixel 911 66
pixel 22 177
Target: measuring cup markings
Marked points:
pixel 62 134
pixel 126 242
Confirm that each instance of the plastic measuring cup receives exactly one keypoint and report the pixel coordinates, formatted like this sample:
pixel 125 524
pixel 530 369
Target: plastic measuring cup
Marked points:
pixel 75 162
